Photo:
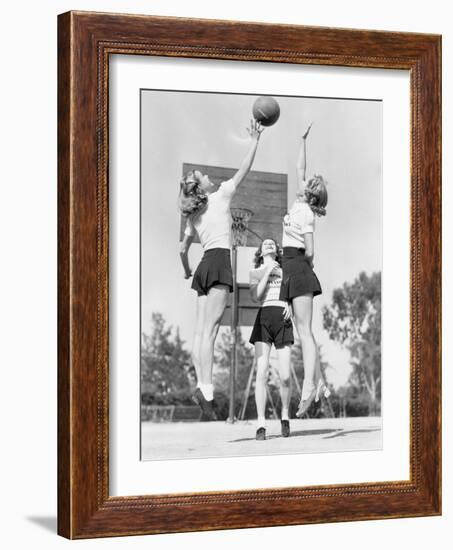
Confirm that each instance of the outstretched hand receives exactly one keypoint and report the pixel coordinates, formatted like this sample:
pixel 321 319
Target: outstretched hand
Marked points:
pixel 307 131
pixel 255 128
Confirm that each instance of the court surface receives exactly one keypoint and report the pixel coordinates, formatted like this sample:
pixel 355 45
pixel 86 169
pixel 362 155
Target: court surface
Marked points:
pixel 221 439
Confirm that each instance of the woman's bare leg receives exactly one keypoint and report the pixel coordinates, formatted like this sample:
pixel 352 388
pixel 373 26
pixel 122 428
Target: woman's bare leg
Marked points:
pixel 199 324
pixel 303 314
pixel 284 362
pixel 213 310
pixel 262 352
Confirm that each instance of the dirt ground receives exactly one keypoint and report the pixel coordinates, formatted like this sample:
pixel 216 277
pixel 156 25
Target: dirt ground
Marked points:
pixel 222 439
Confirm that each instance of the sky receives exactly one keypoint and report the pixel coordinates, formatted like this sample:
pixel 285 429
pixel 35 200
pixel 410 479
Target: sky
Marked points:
pixel 344 146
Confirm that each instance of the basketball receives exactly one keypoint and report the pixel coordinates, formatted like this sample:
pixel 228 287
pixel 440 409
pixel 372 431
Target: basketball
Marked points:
pixel 266 110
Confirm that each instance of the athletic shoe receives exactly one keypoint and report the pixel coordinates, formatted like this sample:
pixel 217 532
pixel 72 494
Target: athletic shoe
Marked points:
pixel 285 428
pixel 261 434
pixel 205 406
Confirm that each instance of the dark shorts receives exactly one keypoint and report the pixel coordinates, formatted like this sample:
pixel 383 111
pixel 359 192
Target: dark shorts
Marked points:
pixel 298 275
pixel 214 269
pixel 271 327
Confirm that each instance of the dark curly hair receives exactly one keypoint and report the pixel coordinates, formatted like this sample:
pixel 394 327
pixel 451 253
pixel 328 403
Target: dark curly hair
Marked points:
pixel 258 258
pixel 316 195
pixel 192 199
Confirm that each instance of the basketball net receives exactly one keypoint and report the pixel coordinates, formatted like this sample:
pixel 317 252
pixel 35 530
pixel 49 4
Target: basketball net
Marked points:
pixel 241 217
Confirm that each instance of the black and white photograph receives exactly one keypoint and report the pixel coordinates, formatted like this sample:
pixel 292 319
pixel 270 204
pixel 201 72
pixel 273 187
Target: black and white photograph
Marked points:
pixel 225 287
pixel 261 260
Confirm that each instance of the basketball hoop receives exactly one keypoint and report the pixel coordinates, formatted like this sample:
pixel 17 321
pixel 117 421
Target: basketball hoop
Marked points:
pixel 241 217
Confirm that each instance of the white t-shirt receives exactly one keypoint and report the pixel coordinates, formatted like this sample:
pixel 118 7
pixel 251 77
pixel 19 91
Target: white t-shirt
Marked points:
pixel 299 220
pixel 213 225
pixel 271 295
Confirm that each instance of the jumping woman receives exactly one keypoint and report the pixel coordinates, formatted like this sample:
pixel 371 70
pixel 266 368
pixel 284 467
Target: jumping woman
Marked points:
pixel 300 283
pixel 206 207
pixel 273 325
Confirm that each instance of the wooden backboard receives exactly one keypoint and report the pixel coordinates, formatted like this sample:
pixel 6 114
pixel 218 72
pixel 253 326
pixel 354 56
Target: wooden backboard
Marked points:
pixel 264 193
pixel 247 310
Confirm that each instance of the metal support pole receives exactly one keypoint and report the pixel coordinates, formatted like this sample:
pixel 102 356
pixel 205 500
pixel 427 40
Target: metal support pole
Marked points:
pixel 247 390
pixel 296 381
pixel 234 324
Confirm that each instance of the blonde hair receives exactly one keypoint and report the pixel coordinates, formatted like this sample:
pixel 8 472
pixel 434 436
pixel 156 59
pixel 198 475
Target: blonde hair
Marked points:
pixel 316 195
pixel 192 199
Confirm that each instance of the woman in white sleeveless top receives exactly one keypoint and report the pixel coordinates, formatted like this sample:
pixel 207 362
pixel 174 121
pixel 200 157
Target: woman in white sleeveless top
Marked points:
pixel 300 283
pixel 206 206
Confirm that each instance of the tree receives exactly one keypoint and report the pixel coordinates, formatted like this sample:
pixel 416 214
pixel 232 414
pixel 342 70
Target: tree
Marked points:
pixel 165 363
pixel 354 319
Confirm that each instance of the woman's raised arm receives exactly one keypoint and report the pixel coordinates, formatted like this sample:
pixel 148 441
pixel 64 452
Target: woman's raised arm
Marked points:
pixel 301 165
pixel 255 132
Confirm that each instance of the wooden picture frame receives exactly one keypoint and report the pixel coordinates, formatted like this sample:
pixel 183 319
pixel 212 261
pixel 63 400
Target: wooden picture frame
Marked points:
pixel 85 42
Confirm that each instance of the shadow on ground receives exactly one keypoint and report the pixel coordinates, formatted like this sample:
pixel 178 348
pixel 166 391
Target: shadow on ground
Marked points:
pixel 343 433
pixel 298 433
pixel 306 433
pixel 49 523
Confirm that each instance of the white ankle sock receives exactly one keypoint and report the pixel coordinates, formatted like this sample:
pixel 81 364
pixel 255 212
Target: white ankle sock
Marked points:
pixel 261 422
pixel 207 390
pixel 285 415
